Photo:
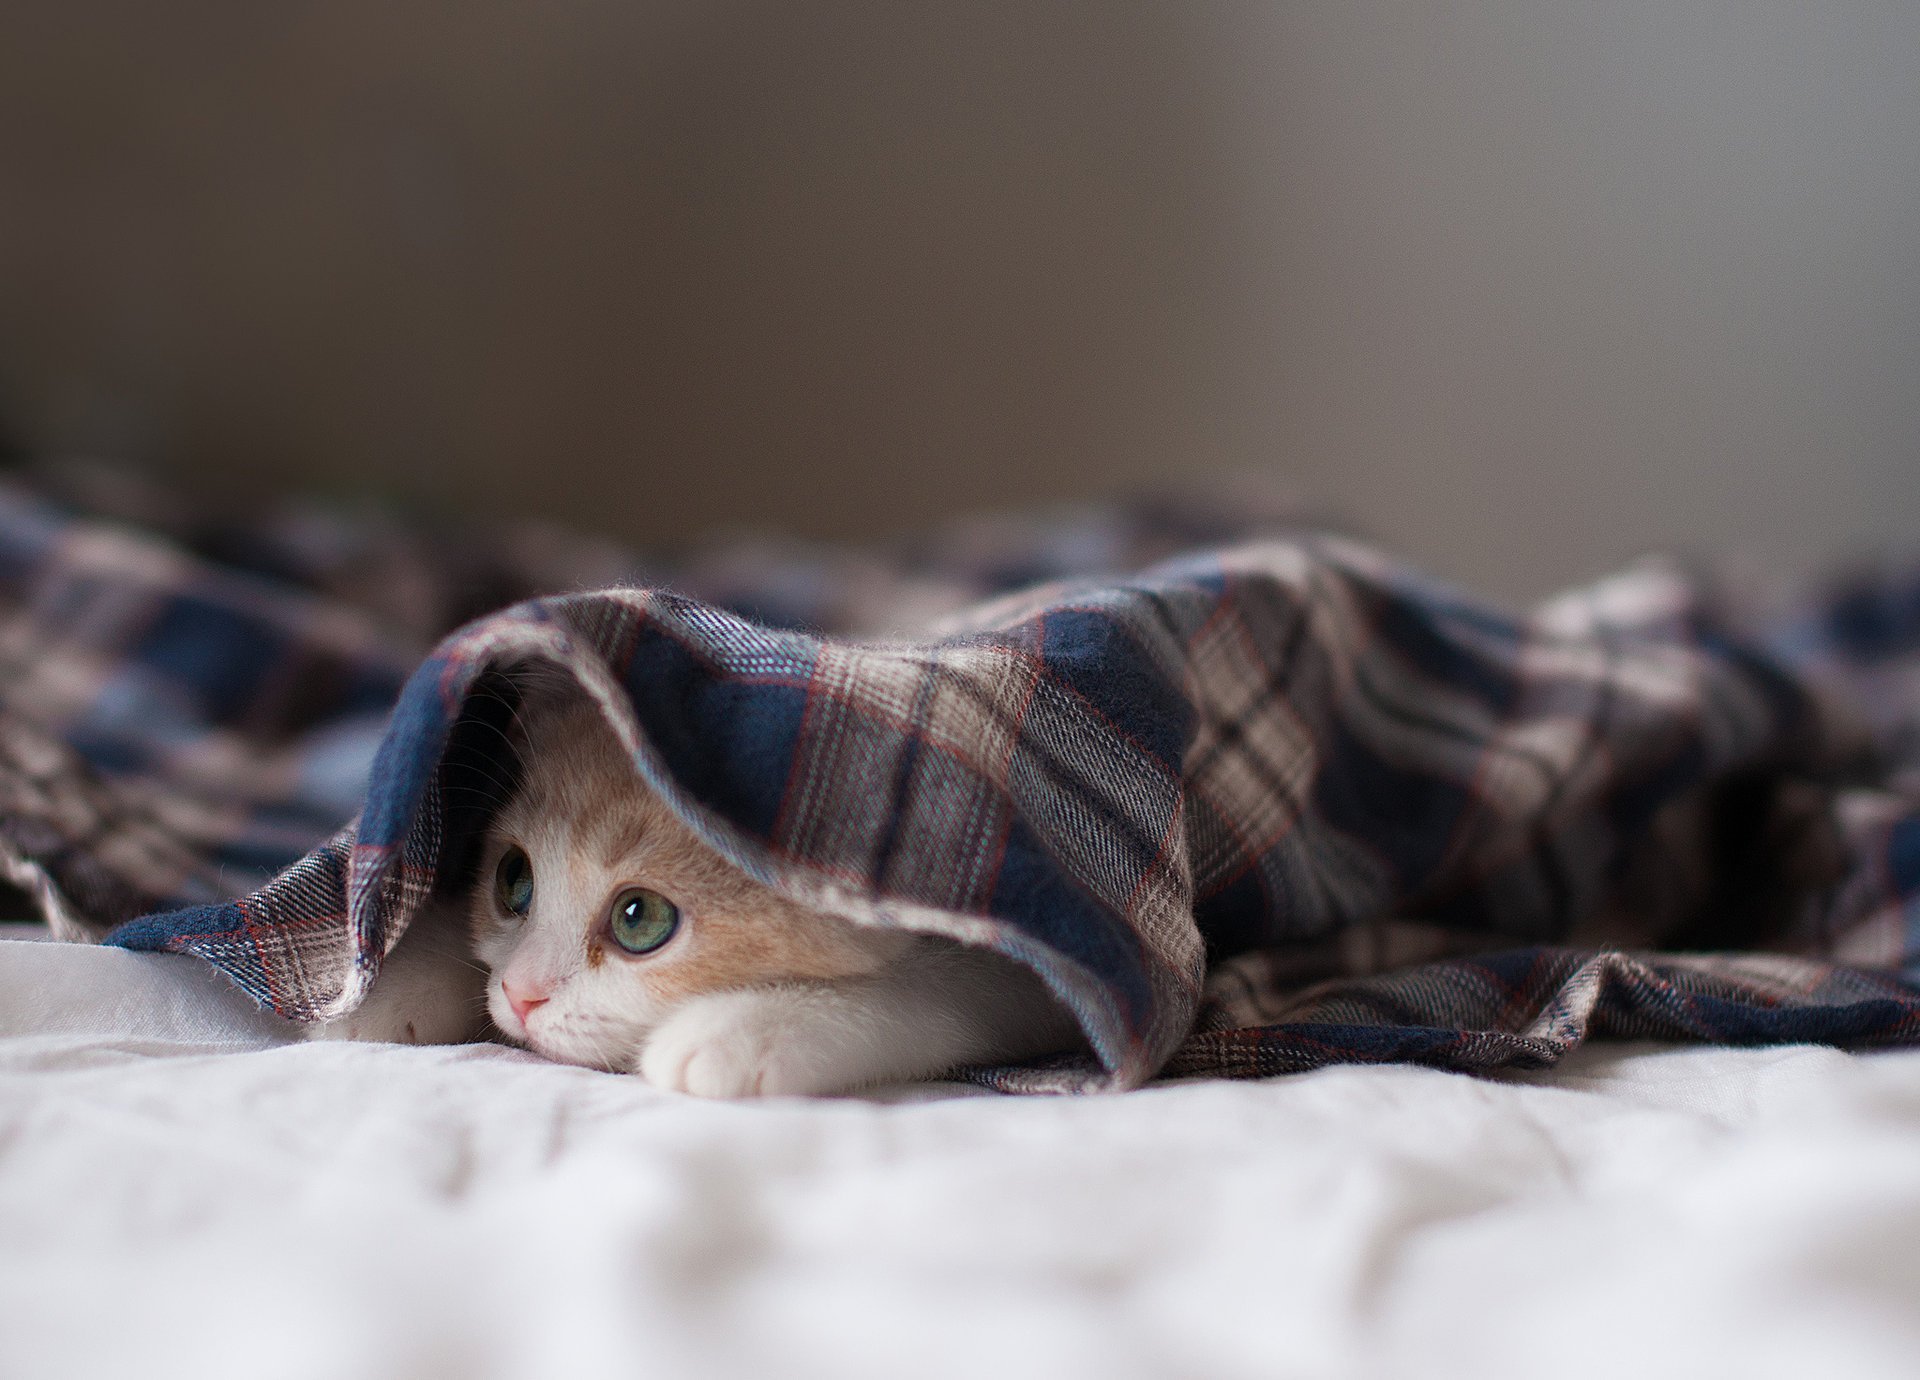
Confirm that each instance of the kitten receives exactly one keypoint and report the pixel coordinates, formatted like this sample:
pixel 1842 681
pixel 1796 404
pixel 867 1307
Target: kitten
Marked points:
pixel 613 937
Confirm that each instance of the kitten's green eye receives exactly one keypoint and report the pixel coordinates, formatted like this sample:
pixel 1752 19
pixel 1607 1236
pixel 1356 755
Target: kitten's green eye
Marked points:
pixel 643 920
pixel 513 882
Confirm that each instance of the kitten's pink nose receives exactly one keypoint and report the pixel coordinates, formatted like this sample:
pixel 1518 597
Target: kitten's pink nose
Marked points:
pixel 522 1002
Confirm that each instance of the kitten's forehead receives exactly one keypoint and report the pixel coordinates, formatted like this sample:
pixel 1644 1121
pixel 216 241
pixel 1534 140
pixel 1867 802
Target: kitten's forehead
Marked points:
pixel 578 787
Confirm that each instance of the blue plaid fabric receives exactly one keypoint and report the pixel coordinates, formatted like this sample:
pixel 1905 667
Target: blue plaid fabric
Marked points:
pixel 1271 804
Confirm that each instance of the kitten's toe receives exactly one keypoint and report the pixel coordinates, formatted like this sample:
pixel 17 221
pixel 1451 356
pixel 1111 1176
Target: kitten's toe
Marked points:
pixel 736 1044
pixel 721 1072
pixel 371 1024
pixel 663 1060
pixel 403 1014
pixel 700 1054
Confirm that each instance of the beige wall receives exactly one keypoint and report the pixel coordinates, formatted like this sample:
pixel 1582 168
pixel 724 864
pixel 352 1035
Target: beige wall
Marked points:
pixel 1525 287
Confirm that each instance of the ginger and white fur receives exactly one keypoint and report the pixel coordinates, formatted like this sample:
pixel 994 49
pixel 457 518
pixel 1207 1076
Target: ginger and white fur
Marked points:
pixel 753 995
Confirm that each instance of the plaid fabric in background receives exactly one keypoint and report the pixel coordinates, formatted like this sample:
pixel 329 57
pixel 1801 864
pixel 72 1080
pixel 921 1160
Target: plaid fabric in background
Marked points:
pixel 1274 803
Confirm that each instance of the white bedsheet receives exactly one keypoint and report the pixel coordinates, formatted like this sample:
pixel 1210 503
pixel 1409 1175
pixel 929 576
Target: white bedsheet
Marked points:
pixel 184 1193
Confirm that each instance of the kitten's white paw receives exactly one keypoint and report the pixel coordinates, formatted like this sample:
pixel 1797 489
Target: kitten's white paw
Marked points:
pixel 761 1043
pixel 403 1013
pixel 382 1023
pixel 428 993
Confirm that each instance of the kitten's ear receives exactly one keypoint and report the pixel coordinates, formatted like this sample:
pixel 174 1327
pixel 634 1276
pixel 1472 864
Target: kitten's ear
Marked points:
pixel 430 991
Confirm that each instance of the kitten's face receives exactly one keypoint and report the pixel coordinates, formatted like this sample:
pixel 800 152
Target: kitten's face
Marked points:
pixel 598 911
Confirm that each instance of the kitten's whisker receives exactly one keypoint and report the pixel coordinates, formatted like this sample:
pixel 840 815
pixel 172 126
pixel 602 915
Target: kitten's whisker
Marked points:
pixel 485 797
pixel 462 788
pixel 490 726
pixel 484 769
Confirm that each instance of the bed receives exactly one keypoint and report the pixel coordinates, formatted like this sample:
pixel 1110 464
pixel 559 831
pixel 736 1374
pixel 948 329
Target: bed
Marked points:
pixel 185 1189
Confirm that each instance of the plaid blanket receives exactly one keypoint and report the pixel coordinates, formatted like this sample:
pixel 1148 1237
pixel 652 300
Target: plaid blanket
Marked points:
pixel 1250 799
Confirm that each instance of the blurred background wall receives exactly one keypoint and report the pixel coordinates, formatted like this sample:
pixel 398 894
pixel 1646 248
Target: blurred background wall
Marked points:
pixel 1522 287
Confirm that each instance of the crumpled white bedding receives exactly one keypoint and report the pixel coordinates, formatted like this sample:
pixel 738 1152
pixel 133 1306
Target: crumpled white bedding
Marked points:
pixel 183 1192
